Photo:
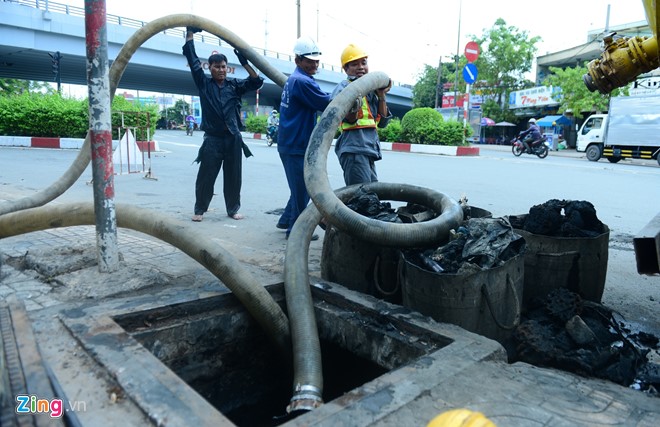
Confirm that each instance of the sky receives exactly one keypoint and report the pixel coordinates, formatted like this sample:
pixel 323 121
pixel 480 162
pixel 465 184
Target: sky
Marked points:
pixel 399 36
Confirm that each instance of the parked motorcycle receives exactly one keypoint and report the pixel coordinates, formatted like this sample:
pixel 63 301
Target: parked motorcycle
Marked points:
pixel 271 135
pixel 538 147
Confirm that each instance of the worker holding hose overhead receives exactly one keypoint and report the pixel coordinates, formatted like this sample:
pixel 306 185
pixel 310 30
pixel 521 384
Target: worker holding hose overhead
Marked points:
pixel 220 99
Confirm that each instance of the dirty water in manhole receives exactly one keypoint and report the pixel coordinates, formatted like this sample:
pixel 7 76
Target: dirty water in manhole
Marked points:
pixel 220 351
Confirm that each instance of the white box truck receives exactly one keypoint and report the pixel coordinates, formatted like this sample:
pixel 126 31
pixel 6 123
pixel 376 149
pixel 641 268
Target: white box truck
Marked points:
pixel 630 129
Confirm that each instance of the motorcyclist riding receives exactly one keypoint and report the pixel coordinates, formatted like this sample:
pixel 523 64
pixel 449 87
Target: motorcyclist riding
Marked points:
pixel 272 123
pixel 273 118
pixel 532 134
pixel 190 124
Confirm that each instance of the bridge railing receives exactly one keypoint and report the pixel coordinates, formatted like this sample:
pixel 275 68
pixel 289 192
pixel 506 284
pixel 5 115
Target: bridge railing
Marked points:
pixel 135 23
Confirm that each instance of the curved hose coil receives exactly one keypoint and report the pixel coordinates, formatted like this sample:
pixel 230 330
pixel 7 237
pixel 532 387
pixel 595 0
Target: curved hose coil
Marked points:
pixel 308 378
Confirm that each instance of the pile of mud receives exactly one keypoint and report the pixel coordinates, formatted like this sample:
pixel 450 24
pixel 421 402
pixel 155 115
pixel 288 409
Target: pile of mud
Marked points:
pixel 575 335
pixel 561 218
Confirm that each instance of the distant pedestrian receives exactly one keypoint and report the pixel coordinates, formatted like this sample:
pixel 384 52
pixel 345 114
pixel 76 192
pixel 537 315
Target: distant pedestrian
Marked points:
pixel 302 99
pixel 358 146
pixel 220 99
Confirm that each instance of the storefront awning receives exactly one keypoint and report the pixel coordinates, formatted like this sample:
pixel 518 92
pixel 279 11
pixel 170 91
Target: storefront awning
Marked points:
pixel 548 121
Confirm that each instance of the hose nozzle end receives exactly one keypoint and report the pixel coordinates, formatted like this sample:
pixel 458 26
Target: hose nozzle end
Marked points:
pixel 305 398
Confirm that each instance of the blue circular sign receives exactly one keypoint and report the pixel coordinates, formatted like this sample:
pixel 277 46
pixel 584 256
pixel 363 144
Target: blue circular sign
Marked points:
pixel 470 73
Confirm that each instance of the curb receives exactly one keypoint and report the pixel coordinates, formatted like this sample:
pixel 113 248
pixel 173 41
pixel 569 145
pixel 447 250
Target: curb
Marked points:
pixel 62 143
pixel 76 143
pixel 444 150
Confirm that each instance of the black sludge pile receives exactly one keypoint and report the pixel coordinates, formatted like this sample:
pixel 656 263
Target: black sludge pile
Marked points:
pixel 588 339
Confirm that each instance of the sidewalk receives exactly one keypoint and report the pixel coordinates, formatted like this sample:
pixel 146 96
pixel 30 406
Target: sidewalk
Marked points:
pixel 54 272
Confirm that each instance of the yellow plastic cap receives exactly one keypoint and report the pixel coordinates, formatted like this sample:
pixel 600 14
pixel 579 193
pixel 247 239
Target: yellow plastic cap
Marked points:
pixel 461 418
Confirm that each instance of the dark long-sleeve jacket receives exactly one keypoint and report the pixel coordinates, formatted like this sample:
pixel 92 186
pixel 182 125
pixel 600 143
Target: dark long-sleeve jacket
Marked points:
pixel 534 132
pixel 221 106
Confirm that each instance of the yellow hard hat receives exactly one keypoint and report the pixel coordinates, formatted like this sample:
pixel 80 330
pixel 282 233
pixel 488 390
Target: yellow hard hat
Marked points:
pixel 461 418
pixel 351 53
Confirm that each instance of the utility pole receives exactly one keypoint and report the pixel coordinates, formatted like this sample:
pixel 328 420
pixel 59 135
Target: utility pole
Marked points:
pixel 458 43
pixel 298 5
pixel 266 31
pixel 100 130
pixel 438 86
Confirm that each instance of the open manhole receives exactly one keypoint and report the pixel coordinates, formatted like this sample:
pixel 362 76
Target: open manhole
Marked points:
pixel 221 354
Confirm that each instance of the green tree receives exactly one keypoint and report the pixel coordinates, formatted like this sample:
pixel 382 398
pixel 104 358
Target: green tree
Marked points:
pixel 17 87
pixel 424 91
pixel 574 93
pixel 507 54
pixel 178 112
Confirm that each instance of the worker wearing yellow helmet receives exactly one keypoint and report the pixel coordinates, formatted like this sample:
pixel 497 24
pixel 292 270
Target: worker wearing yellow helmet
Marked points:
pixel 358 146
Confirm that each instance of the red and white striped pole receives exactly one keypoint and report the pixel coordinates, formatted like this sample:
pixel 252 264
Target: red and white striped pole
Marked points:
pixel 100 130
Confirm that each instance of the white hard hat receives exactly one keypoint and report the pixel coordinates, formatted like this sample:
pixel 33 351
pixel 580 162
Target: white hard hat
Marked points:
pixel 307 47
pixel 532 120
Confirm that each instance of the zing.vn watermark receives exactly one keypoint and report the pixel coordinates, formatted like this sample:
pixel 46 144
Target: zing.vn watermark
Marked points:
pixel 31 404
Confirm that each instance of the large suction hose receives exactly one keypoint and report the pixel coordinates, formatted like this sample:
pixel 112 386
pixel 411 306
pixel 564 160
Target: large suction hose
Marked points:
pixel 308 378
pixel 257 301
pixel 401 235
pixel 189 240
pixel 116 71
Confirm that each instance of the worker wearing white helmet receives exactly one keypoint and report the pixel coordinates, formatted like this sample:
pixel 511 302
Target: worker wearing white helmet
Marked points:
pixel 302 98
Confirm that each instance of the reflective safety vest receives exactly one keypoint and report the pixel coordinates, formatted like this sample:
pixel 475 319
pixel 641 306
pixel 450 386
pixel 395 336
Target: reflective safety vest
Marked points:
pixel 365 118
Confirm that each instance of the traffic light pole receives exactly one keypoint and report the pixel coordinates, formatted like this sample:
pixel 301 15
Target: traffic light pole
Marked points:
pixel 56 60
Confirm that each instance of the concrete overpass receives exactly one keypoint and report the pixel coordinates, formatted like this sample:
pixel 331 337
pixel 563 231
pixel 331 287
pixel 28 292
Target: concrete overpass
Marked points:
pixel 31 29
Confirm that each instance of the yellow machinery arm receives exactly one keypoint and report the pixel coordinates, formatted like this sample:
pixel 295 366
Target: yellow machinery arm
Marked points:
pixel 624 59
pixel 620 63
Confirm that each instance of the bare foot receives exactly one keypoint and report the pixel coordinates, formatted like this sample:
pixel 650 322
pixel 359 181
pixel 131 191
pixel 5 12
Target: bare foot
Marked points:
pixel 197 218
pixel 237 216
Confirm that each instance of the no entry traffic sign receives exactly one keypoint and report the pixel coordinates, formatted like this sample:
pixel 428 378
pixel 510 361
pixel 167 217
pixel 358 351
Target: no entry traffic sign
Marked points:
pixel 471 51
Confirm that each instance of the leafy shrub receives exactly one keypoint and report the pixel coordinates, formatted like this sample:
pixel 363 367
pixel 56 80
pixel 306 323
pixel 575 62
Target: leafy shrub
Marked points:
pixel 427 126
pixel 420 125
pixel 51 115
pixel 256 124
pixel 134 116
pixel 36 114
pixel 391 132
pixel 451 133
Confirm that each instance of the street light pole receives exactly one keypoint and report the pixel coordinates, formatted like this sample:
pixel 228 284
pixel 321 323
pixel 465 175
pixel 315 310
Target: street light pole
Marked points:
pixel 458 42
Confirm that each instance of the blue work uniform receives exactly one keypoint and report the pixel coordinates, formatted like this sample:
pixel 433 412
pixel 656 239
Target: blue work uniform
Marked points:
pixel 221 123
pixel 301 99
